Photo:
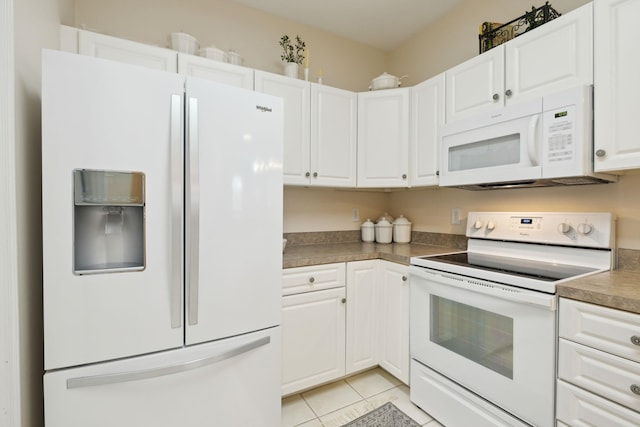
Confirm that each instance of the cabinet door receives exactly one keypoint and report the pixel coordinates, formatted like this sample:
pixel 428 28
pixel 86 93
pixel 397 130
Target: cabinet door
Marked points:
pixel 362 316
pixel 475 85
pixel 427 116
pixel 221 72
pixel 616 85
pixel 555 56
pixel 313 339
pixel 296 122
pixel 333 136
pixel 383 138
pixel 394 312
pixel 113 48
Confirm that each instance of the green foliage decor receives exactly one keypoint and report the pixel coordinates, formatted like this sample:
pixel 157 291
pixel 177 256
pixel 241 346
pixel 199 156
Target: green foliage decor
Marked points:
pixel 292 53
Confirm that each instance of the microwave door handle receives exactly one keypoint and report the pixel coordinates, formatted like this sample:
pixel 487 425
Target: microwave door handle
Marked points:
pixel 532 142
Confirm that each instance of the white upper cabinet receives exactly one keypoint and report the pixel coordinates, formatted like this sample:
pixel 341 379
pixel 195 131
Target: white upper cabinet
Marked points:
pixel 320 131
pixel 383 138
pixel 427 115
pixel 475 85
pixel 333 137
pixel 116 49
pixel 617 85
pixel 554 56
pixel 296 95
pixel 68 39
pixel 220 72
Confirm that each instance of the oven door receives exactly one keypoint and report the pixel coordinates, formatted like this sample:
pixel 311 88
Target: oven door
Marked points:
pixel 497 341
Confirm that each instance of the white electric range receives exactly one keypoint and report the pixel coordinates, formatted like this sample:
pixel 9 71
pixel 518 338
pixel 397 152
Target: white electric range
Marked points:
pixel 484 321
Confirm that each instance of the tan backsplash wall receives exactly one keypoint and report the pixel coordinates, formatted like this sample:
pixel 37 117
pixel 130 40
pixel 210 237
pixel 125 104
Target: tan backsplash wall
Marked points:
pixel 228 25
pixel 308 209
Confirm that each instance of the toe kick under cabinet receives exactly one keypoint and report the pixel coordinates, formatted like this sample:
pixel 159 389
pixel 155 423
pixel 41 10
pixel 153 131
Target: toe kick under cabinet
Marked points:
pixel 598 366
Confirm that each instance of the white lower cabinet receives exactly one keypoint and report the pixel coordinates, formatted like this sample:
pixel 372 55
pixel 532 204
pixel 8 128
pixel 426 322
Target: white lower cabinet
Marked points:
pixel 598 366
pixel 313 336
pixel 362 315
pixel 339 319
pixel 394 319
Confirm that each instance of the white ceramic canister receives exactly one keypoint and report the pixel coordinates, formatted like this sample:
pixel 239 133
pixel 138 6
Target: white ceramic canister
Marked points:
pixel 385 216
pixel 384 231
pixel 183 42
pixel 212 52
pixel 401 230
pixel 233 57
pixel 367 229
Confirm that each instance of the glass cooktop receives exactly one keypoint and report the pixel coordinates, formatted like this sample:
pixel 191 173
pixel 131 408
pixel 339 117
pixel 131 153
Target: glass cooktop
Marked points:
pixel 539 270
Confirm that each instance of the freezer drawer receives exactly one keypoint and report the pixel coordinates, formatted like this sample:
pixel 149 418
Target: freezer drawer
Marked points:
pixel 232 382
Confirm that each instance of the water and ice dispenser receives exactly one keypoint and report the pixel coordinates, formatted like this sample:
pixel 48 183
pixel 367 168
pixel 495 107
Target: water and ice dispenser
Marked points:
pixel 109 221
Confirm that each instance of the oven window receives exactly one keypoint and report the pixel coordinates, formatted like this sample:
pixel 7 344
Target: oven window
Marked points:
pixel 475 334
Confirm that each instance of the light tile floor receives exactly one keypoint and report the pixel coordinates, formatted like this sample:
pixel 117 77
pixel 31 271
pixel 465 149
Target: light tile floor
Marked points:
pixel 336 404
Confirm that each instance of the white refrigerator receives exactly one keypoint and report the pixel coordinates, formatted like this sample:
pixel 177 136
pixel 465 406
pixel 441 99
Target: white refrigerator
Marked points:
pixel 162 252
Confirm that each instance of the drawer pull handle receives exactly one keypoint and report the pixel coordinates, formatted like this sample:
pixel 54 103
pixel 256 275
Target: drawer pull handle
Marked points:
pixel 405 278
pixel 635 340
pixel 635 388
pixel 311 280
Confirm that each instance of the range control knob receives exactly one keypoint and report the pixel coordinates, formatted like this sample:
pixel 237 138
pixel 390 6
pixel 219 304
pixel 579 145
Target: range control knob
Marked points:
pixel 491 225
pixel 477 225
pixel 584 228
pixel 564 228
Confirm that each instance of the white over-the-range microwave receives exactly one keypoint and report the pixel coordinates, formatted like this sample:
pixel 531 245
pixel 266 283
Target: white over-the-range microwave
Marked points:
pixel 544 141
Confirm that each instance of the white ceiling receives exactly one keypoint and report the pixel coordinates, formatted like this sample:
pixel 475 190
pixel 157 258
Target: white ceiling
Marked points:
pixel 384 24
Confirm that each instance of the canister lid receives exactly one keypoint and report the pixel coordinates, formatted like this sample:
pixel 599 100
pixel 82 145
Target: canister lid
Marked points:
pixel 367 224
pixel 383 223
pixel 401 220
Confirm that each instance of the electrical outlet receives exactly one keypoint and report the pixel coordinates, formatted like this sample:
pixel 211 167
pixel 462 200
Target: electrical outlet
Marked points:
pixel 355 215
pixel 455 216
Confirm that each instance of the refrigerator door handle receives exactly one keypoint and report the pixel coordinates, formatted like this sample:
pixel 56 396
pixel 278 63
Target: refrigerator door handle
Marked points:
pixel 194 211
pixel 177 237
pixel 98 380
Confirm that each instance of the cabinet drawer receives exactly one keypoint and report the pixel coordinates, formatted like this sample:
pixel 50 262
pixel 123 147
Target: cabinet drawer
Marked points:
pixel 577 407
pixel 607 329
pixel 313 278
pixel 609 376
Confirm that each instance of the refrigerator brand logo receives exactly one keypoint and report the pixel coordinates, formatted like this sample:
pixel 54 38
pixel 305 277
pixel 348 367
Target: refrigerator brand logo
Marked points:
pixel 263 109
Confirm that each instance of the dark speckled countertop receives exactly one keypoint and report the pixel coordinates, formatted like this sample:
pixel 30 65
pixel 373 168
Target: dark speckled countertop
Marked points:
pixel 304 255
pixel 619 289
pixel 615 289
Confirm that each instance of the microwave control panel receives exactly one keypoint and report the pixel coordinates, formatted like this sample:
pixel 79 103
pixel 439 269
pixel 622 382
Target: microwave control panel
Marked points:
pixel 560 134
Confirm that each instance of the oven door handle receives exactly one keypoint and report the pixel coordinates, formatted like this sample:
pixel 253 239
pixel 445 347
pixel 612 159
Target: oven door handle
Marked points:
pixel 509 293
